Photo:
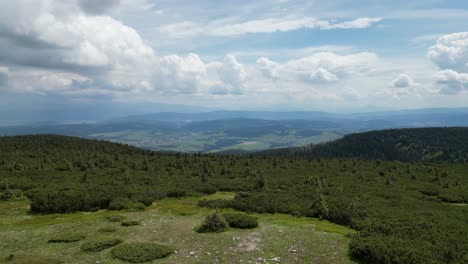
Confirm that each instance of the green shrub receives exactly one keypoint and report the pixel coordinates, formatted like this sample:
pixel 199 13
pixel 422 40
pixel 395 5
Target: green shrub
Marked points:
pixel 66 237
pixel 115 218
pixel 450 197
pixel 99 244
pixel 119 204
pixel 137 206
pixel 212 224
pixel 140 252
pixel 241 220
pixel 176 193
pixel 147 201
pixel 107 229
pixel 130 223
pixel 207 189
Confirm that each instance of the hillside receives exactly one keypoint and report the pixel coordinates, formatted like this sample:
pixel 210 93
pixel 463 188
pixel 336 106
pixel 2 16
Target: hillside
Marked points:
pixel 409 145
pixel 71 185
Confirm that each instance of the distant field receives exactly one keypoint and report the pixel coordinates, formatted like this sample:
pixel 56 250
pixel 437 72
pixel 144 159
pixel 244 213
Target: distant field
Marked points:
pixel 215 142
pixel 23 237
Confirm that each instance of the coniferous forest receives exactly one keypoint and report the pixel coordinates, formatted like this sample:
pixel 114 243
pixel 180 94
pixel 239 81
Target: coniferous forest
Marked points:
pixel 449 145
pixel 403 212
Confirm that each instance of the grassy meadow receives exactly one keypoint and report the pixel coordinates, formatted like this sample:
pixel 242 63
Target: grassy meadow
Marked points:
pixel 24 237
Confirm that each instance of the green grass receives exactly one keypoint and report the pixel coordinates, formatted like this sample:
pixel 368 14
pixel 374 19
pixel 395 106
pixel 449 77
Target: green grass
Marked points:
pixel 30 259
pixel 99 244
pixel 171 222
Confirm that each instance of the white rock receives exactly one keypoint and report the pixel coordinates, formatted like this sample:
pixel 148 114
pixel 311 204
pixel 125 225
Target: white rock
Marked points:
pixel 276 259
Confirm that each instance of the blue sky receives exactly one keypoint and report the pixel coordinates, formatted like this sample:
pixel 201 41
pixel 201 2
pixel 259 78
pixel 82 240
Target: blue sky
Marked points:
pixel 335 56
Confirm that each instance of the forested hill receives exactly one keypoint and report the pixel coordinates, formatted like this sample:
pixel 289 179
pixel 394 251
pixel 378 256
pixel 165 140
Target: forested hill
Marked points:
pixel 44 144
pixel 410 145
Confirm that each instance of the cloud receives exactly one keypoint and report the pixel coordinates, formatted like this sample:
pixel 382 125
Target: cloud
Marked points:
pixel 191 75
pixel 97 7
pixel 180 75
pixel 321 67
pixel 3 76
pixel 402 81
pixel 451 52
pixel 271 25
pixel 59 36
pixel 322 75
pixel 358 23
pixel 181 29
pixel 268 25
pixel 451 82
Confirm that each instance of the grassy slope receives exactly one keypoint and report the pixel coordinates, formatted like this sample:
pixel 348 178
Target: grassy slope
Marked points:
pixel 171 222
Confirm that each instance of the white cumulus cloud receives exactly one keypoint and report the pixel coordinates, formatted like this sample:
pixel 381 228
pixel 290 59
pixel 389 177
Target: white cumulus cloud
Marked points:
pixel 191 75
pixel 452 82
pixel 451 52
pixel 59 35
pixel 402 81
pixel 321 67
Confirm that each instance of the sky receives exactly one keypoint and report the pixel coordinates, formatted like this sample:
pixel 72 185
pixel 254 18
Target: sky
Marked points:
pixel 60 56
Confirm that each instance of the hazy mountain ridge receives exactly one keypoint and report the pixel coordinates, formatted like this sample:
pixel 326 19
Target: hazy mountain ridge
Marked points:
pixel 242 131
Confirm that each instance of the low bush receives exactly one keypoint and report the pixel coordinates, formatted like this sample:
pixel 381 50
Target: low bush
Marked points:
pixel 212 224
pixel 107 229
pixel 176 193
pixel 140 252
pixel 241 220
pixel 66 237
pixel 119 204
pixel 207 189
pixel 115 218
pixel 136 206
pixel 99 244
pixel 450 197
pixel 130 223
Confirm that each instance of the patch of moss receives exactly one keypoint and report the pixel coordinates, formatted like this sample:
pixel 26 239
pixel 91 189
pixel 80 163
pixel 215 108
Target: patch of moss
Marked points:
pixel 66 237
pixel 140 252
pixel 130 223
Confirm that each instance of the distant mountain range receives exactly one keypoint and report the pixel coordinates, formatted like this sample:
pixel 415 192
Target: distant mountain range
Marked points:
pixel 241 131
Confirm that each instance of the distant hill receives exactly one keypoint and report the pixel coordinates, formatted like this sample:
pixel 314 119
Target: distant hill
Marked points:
pixel 249 131
pixel 413 145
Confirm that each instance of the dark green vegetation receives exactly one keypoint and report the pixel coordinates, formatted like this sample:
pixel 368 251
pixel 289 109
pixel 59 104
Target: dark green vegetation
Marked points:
pixel 241 221
pixel 65 237
pixel 403 212
pixel 408 145
pixel 214 223
pixel 115 218
pixel 130 223
pixel 140 252
pixel 99 244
